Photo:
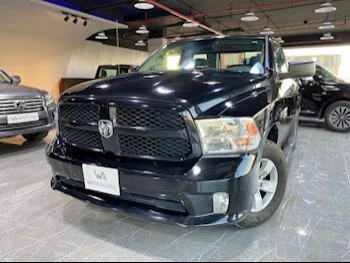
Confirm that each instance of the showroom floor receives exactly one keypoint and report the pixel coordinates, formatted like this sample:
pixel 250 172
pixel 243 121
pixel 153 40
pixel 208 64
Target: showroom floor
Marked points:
pixel 313 223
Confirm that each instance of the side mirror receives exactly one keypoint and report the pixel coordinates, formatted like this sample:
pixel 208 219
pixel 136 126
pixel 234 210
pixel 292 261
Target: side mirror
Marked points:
pixel 299 70
pixel 16 79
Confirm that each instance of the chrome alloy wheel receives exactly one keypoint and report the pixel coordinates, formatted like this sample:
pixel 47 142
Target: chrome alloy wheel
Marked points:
pixel 267 185
pixel 340 117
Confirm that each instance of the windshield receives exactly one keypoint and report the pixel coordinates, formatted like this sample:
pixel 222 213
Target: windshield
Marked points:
pixel 326 75
pixel 234 55
pixel 4 78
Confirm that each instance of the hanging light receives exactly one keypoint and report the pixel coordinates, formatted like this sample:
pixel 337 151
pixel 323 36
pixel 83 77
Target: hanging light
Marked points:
pixel 327 36
pixel 142 30
pixel 143 5
pixel 140 43
pixel 327 25
pixel 190 24
pixel 250 17
pixel 267 31
pixel 101 35
pixel 325 8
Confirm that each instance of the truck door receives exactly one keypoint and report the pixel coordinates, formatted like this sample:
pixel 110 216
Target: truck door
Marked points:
pixel 288 94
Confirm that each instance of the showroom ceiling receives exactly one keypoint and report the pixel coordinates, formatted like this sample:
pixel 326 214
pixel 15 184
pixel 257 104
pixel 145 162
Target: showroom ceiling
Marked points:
pixel 284 17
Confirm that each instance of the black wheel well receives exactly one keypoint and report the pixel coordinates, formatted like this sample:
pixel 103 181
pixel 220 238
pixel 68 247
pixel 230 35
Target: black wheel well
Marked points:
pixel 273 134
pixel 329 103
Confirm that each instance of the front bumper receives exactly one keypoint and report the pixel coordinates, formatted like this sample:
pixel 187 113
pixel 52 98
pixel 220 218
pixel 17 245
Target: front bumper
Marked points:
pixel 46 123
pixel 183 199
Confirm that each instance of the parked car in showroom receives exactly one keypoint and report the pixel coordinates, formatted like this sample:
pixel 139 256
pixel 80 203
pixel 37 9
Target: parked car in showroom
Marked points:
pixel 103 71
pixel 194 138
pixel 326 96
pixel 24 111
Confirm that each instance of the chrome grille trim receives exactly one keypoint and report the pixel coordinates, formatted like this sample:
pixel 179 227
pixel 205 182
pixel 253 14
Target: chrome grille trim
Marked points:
pixel 32 105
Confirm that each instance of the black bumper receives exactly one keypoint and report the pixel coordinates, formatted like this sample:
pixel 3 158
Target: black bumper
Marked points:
pixel 178 199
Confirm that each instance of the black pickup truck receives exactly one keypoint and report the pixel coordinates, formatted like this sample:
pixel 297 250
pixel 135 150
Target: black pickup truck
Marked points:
pixel 194 138
pixel 326 96
pixel 103 71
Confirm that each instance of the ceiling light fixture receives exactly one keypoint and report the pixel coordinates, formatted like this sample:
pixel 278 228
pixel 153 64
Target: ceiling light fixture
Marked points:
pixel 250 17
pixel 142 30
pixel 327 25
pixel 177 38
pixel 327 36
pixel 267 31
pixel 85 22
pixel 190 24
pixel 143 5
pixel 66 18
pixel 101 36
pixel 325 8
pixel 75 20
pixel 140 43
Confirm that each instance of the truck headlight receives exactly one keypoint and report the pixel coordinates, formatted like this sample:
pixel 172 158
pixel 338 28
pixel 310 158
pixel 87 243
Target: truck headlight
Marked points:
pixel 49 99
pixel 228 135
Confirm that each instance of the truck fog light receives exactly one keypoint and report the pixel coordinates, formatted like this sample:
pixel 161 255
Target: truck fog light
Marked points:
pixel 221 202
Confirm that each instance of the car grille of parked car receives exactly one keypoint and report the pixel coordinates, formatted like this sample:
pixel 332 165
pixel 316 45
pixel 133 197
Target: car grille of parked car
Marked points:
pixel 21 106
pixel 79 127
pixel 19 126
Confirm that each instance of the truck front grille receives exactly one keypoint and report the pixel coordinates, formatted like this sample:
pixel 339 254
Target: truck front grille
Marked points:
pixel 134 130
pixel 149 118
pixel 173 148
pixel 21 106
pixel 81 138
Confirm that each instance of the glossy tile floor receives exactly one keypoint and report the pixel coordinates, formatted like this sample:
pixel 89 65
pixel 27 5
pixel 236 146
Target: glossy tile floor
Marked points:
pixel 313 222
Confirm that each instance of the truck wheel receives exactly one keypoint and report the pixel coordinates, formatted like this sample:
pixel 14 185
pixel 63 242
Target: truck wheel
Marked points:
pixel 34 137
pixel 271 185
pixel 338 116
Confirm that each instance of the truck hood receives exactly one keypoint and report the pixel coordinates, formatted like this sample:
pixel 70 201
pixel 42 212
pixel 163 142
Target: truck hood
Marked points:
pixel 12 91
pixel 202 90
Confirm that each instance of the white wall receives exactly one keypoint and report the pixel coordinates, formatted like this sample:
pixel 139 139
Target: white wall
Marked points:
pixel 38 45
pixel 86 59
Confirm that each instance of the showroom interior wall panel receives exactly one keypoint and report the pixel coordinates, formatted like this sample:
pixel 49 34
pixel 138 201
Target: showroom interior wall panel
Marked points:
pixel 86 59
pixel 38 45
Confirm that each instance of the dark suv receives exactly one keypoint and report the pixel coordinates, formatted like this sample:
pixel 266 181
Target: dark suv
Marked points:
pixel 24 110
pixel 326 96
pixel 194 138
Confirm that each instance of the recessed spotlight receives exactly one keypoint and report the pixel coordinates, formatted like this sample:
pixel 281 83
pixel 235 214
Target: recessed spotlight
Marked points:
pixel 143 5
pixel 190 24
pixel 101 36
pixel 142 30
pixel 325 8
pixel 327 25
pixel 327 36
pixel 250 17
pixel 267 31
pixel 140 43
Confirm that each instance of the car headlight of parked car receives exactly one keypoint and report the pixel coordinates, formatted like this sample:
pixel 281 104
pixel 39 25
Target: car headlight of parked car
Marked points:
pixel 228 135
pixel 49 99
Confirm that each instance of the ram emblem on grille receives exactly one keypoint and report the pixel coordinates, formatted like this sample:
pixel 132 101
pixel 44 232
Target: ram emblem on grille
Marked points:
pixel 106 128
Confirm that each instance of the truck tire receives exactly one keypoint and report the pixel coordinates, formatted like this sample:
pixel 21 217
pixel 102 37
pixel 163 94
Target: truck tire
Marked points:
pixel 34 137
pixel 337 116
pixel 272 179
